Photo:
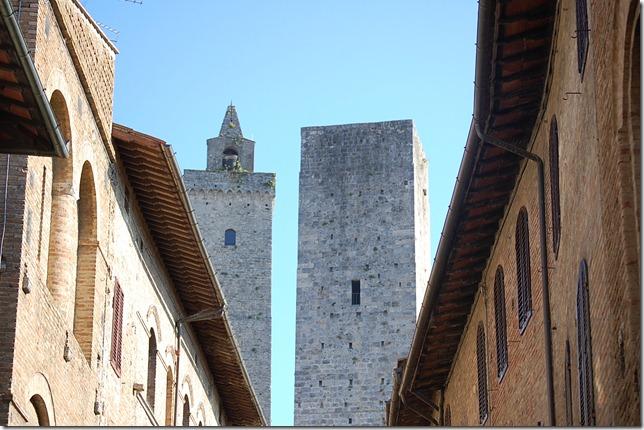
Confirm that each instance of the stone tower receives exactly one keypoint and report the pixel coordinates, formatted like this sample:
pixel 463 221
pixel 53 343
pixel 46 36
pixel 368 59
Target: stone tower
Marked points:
pixel 363 253
pixel 234 208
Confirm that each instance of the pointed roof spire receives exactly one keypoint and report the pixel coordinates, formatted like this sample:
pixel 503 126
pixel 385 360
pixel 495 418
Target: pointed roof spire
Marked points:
pixel 230 126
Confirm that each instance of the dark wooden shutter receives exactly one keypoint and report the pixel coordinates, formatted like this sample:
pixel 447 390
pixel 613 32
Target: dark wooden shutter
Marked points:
pixel 185 419
pixel 568 385
pixel 586 390
pixel 447 421
pixel 582 34
pixel 524 288
pixel 554 185
pixel 117 328
pixel 482 373
pixel 500 320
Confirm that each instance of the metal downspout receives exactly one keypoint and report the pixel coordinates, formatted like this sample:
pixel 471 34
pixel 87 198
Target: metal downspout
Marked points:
pixel 547 325
pixel 176 373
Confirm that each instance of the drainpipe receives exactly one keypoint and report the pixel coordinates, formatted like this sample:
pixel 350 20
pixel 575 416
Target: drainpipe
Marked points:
pixel 207 314
pixel 547 325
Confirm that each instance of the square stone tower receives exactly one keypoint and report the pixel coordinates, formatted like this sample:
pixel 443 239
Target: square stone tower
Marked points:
pixel 363 257
pixel 234 208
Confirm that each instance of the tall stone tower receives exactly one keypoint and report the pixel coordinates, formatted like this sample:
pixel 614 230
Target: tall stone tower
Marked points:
pixel 363 252
pixel 234 208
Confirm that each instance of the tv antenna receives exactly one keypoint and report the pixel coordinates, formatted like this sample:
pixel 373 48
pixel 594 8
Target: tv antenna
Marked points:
pixel 112 30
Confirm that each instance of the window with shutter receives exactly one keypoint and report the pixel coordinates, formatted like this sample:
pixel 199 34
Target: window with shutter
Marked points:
pixel 524 288
pixel 482 373
pixel 586 390
pixel 582 34
pixel 448 417
pixel 567 385
pixel 500 320
pixel 117 329
pixel 554 185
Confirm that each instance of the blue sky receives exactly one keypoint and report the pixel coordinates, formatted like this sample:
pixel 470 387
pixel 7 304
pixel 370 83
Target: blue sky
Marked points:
pixel 286 65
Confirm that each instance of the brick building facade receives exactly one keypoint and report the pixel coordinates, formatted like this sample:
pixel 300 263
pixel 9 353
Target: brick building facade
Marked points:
pixel 532 313
pixel 111 312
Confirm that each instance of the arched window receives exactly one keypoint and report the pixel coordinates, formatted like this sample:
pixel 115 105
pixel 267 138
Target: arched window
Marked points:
pixel 582 34
pixel 568 385
pixel 524 288
pixel 152 369
pixel 500 321
pixel 40 408
pixel 169 397
pixel 482 373
pixel 229 158
pixel 230 237
pixel 586 389
pixel 554 185
pixel 86 262
pixel 62 244
pixel 185 420
pixel 447 421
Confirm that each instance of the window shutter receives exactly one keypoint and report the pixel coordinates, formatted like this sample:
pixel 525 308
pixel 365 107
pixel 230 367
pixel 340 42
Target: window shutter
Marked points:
pixel 524 288
pixel 500 320
pixel 586 391
pixel 554 185
pixel 448 417
pixel 482 373
pixel 117 328
pixel 582 34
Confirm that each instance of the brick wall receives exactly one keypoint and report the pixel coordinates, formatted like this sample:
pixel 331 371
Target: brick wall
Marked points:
pixel 598 155
pixel 42 352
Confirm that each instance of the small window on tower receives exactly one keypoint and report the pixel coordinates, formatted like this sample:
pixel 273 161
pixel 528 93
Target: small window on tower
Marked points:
pixel 229 159
pixel 230 237
pixel 355 292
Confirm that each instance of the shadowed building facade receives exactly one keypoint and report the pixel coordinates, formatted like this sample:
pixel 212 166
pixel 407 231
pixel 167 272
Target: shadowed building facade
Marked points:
pixel 532 314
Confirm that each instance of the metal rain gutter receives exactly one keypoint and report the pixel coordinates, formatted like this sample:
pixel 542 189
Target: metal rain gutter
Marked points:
pixel 470 156
pixel 58 142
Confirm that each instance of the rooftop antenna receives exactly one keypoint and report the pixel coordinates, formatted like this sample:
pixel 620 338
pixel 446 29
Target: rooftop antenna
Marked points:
pixel 112 30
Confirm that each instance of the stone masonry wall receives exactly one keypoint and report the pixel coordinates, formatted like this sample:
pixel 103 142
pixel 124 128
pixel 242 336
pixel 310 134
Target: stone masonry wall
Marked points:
pixel 359 219
pixel 243 202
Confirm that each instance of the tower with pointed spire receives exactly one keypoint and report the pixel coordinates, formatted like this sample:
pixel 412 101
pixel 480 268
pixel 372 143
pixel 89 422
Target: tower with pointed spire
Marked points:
pixel 234 208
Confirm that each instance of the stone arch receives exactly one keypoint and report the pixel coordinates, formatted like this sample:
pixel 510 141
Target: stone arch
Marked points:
pixel 40 399
pixel 62 237
pixel 153 321
pixel 186 389
pixel 86 262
